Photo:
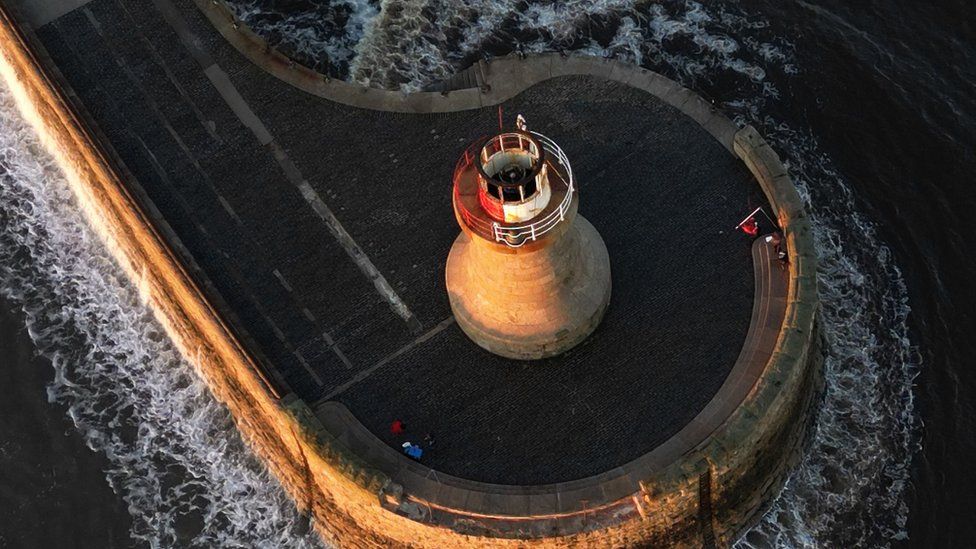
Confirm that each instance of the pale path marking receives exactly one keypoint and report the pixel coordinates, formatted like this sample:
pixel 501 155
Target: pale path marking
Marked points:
pixel 239 105
pixel 164 177
pixel 444 324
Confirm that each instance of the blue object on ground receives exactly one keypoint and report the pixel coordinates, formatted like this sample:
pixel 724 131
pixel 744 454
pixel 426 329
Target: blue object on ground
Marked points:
pixel 414 451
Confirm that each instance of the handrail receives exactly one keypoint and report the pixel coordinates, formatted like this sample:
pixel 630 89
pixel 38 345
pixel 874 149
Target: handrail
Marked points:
pixel 516 141
pixel 515 236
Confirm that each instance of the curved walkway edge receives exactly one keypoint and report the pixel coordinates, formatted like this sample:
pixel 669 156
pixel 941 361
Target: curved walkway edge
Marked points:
pixel 563 500
pixel 499 79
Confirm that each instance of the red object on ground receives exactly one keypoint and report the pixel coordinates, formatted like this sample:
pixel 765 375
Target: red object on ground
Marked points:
pixel 396 427
pixel 750 227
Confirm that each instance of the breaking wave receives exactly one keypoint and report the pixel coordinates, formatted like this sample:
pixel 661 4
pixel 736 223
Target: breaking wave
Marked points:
pixel 408 44
pixel 849 490
pixel 175 455
pixel 320 35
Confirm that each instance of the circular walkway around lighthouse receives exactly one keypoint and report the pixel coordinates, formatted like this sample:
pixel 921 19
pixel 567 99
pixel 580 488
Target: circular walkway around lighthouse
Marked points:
pixel 665 197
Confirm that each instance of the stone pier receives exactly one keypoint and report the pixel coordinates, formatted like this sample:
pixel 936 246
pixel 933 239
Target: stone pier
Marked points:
pixel 281 226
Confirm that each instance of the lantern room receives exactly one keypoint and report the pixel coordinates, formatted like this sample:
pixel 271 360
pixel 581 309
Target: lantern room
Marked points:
pixel 513 188
pixel 513 179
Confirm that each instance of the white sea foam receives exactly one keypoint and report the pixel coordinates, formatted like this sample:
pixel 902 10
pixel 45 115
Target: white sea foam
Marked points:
pixel 323 37
pixel 413 43
pixel 176 458
pixel 849 489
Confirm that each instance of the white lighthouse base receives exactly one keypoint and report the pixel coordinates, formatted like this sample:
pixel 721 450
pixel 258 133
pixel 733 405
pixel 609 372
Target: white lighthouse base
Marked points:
pixel 529 304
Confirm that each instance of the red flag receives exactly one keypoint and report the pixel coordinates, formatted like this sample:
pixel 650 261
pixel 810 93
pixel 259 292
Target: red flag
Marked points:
pixel 750 227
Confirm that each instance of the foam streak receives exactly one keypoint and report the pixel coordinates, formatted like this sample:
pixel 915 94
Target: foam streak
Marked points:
pixel 176 458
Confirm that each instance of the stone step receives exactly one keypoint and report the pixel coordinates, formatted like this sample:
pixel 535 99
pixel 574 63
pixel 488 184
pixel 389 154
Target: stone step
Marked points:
pixel 462 80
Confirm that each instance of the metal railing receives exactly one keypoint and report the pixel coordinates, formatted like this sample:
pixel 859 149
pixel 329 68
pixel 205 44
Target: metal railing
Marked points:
pixel 515 236
pixel 515 141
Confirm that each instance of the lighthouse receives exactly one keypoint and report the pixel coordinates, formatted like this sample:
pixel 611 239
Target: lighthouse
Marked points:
pixel 528 277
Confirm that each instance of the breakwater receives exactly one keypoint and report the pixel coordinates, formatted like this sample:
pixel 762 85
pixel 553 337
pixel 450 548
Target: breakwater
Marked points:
pixel 333 484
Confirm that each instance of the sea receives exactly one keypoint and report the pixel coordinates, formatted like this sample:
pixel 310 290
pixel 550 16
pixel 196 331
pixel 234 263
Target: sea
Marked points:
pixel 109 439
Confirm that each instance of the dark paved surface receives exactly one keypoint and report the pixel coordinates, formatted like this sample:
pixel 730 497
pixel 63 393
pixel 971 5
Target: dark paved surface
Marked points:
pixel 655 185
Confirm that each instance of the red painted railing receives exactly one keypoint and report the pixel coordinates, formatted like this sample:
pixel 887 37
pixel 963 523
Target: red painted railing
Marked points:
pixel 515 236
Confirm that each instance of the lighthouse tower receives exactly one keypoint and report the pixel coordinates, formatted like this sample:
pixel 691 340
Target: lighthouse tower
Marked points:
pixel 528 277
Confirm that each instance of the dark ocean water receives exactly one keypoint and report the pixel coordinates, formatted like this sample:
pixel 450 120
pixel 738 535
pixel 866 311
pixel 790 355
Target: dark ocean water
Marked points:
pixel 52 486
pixel 888 90
pixel 872 105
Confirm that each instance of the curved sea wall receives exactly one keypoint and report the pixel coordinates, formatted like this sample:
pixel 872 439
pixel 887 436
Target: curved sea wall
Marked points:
pixel 708 495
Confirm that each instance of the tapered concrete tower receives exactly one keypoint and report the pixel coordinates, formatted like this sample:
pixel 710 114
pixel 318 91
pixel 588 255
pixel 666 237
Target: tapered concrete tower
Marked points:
pixel 528 277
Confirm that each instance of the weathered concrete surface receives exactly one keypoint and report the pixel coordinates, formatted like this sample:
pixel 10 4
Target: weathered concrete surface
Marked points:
pixel 742 464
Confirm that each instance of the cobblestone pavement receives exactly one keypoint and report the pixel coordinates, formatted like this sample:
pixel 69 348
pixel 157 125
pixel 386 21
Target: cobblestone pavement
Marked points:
pixel 325 230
